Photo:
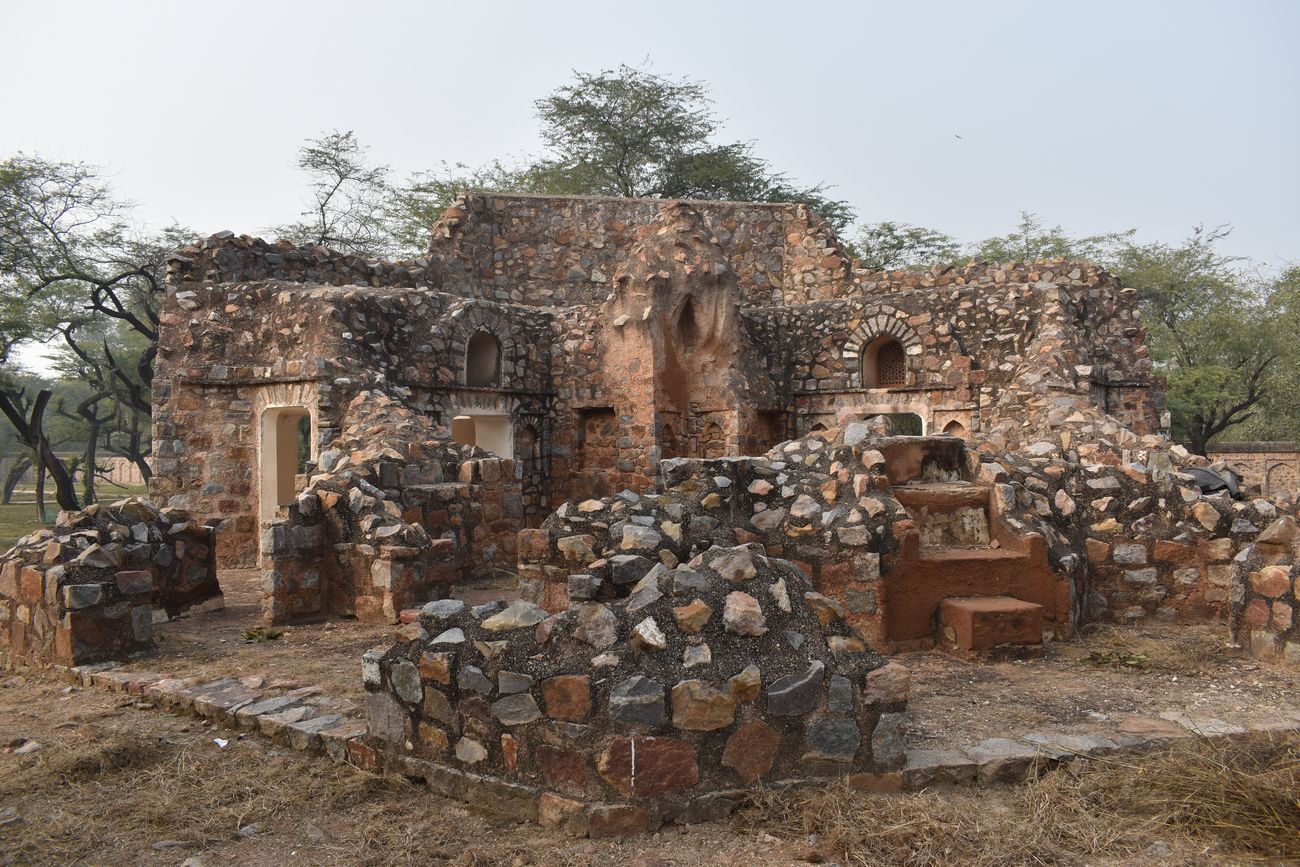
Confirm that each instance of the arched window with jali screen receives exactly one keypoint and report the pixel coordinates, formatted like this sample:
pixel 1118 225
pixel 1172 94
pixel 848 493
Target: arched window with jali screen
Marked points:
pixel 483 361
pixel 884 363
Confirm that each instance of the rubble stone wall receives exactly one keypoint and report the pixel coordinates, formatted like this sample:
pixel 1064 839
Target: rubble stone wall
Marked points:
pixel 396 515
pixel 721 673
pixel 1266 593
pixel 560 251
pixel 89 587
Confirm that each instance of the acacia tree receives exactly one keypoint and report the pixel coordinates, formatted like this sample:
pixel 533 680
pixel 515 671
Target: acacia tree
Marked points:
pixel 631 132
pixel 1032 240
pixel 1213 331
pixel 619 132
pixel 348 206
pixel 890 246
pixel 73 270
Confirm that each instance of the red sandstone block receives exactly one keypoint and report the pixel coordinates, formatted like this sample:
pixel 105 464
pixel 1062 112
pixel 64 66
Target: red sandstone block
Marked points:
pixel 534 544
pixel 607 821
pixel 984 622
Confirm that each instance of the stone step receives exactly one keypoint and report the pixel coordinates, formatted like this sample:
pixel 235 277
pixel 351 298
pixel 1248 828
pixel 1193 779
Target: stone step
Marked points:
pixel 980 623
pixel 942 497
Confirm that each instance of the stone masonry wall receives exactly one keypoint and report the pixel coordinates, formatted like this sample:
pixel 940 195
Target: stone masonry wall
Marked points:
pixel 559 251
pixel 724 672
pixel 88 588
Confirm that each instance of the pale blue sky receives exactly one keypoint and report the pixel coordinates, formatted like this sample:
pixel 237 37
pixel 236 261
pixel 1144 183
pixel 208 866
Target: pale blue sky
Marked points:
pixel 1096 115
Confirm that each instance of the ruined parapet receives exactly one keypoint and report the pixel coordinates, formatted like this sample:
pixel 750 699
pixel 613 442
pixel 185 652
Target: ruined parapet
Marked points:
pixel 724 672
pixel 556 251
pixel 89 588
pixel 227 258
pixel 397 513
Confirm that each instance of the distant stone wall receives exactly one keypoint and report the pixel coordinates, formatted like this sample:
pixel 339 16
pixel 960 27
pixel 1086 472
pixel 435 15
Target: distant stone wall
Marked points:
pixel 87 589
pixel 1271 467
pixel 720 674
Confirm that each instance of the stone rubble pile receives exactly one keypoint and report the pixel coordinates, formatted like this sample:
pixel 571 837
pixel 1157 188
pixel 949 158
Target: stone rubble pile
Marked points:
pixel 822 502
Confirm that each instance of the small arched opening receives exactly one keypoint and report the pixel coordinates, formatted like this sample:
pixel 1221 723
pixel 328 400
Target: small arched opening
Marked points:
pixel 955 428
pixel 713 442
pixel 688 327
pixel 884 363
pixel 483 361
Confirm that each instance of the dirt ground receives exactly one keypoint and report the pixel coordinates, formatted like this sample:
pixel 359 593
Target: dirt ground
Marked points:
pixel 1088 685
pixel 113 780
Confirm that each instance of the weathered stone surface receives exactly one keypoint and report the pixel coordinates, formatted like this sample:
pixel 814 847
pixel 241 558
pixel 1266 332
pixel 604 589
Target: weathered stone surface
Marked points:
pixel 567 697
pixel 742 615
pixel 649 766
pixel 888 684
pixel 702 707
pixel 692 617
pixel 647 635
pixel 736 566
pixel 751 750
pixel 888 748
pixel 516 709
pixel 561 766
pixel 835 739
pixel 517 615
pixel 596 625
pixel 796 694
pixel 638 700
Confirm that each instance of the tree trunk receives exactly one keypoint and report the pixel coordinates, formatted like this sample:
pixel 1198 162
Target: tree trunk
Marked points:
pixel 17 470
pixel 40 493
pixel 92 446
pixel 32 431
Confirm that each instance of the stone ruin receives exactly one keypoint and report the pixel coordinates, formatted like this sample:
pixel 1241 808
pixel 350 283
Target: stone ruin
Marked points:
pixel 89 588
pixel 677 424
pixel 610 717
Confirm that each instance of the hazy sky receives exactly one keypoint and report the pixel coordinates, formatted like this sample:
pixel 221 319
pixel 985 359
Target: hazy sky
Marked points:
pixel 1098 116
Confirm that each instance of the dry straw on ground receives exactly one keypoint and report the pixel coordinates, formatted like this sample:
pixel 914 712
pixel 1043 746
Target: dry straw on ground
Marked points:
pixel 1237 800
pixel 109 797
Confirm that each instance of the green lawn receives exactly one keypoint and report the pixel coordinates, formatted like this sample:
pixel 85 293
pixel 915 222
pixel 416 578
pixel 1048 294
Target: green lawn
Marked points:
pixel 18 519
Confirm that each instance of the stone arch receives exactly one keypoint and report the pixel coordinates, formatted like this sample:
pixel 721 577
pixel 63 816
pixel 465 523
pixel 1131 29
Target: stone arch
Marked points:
pixel 881 326
pixel 483 360
pixel 1281 479
pixel 713 441
pixel 955 428
pixel 465 323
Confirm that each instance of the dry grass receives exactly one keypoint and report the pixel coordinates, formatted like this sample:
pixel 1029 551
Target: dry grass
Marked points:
pixel 1237 801
pixel 1188 650
pixel 121 793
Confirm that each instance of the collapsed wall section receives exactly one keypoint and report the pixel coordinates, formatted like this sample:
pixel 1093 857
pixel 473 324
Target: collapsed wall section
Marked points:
pixel 88 588
pixel 397 514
